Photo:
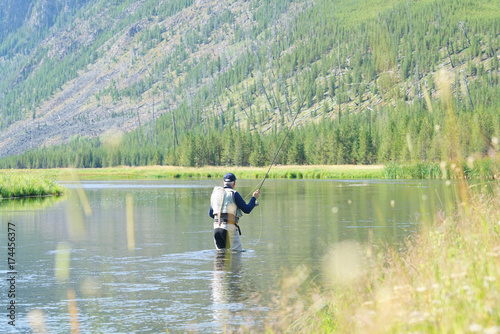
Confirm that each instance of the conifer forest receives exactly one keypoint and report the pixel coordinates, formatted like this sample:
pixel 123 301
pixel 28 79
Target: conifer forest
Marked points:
pixel 97 83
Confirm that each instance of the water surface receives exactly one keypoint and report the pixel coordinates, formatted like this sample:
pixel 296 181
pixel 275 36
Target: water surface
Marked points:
pixel 167 273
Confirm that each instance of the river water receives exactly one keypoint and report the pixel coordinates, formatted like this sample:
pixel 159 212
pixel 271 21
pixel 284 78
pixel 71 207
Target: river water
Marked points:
pixel 138 256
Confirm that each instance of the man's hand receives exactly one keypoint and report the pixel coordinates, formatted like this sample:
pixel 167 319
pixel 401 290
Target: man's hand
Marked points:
pixel 256 194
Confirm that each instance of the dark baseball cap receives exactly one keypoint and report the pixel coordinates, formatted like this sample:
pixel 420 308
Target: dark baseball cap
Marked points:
pixel 229 177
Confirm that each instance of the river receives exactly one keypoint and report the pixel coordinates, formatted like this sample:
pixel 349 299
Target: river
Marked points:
pixel 138 256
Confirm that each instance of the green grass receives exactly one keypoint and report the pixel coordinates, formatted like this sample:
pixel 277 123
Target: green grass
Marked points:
pixel 170 172
pixel 485 169
pixel 479 169
pixel 13 185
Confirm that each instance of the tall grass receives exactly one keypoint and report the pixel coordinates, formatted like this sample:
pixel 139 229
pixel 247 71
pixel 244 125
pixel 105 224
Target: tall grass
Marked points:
pixel 26 185
pixel 485 168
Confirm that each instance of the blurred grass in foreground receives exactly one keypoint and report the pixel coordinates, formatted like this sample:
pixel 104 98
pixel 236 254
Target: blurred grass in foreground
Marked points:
pixel 26 185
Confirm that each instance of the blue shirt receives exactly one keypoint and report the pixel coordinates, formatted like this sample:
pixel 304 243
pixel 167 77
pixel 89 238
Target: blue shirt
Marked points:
pixel 240 203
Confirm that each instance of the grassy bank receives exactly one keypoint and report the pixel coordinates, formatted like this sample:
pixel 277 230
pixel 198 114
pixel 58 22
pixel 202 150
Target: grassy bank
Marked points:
pixel 446 279
pixel 15 184
pixel 170 172
pixel 485 168
pixel 480 169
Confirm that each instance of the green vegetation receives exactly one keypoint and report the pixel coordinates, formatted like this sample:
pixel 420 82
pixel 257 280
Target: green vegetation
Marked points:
pixel 413 85
pixel 26 185
pixel 445 280
pixel 481 169
pixel 406 136
pixel 365 85
pixel 44 73
pixel 168 172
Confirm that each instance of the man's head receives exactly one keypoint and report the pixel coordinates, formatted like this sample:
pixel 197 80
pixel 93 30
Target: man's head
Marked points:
pixel 229 180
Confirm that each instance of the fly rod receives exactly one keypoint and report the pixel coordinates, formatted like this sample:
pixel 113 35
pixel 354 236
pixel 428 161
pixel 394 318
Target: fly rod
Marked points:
pixel 279 149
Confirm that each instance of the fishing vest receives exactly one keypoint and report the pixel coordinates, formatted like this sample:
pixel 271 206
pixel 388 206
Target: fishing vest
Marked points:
pixel 224 206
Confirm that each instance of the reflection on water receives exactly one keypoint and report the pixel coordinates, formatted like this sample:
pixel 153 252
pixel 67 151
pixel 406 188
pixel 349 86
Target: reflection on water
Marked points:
pixel 232 289
pixel 137 256
pixel 29 203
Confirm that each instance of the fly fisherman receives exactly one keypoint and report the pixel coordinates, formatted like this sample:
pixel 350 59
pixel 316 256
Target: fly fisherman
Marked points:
pixel 226 207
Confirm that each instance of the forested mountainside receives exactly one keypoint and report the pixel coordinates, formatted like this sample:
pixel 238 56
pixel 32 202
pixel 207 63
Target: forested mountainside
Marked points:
pixel 183 82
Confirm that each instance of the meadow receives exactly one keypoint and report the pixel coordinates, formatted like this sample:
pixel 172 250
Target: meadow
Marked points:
pixel 173 172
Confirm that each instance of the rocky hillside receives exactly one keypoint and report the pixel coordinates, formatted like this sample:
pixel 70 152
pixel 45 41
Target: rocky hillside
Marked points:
pixel 92 67
pixel 62 74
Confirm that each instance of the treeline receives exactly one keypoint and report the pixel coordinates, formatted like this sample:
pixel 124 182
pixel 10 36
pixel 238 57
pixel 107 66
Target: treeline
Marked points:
pixel 420 132
pixel 318 60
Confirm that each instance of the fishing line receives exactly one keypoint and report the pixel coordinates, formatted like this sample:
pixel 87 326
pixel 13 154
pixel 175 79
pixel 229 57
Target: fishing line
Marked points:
pixel 260 229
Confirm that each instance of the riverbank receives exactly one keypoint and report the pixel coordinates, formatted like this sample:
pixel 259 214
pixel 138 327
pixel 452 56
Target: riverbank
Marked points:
pixel 445 279
pixel 488 169
pixel 15 184
pixel 171 172
pixel 484 169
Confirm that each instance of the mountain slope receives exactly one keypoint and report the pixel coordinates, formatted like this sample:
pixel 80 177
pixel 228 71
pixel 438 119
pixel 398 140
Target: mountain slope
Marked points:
pixel 100 66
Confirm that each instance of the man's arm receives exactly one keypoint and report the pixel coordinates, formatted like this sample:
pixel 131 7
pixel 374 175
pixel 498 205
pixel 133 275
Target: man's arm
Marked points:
pixel 240 202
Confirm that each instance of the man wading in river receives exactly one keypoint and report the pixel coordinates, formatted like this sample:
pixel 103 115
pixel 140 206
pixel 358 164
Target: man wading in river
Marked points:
pixel 226 207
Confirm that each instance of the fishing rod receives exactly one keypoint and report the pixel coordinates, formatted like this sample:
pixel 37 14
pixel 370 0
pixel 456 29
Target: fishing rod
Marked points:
pixel 274 160
pixel 279 149
pixel 276 155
